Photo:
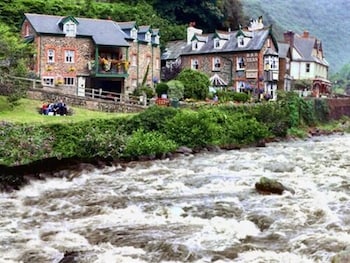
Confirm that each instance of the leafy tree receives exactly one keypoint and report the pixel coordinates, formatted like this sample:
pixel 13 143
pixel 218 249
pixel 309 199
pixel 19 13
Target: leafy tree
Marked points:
pixel 196 84
pixel 13 54
pixel 176 89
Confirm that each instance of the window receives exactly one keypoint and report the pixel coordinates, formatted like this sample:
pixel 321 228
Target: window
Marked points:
pixel 194 64
pixel 194 45
pixel 48 81
pixel 307 67
pixel 133 33
pixel 216 43
pixel 216 64
pixel 148 37
pixel 69 56
pixel 70 28
pixel 241 86
pixel 50 55
pixel 134 60
pixel 271 63
pixel 156 40
pixel 69 81
pixel 240 63
pixel 240 41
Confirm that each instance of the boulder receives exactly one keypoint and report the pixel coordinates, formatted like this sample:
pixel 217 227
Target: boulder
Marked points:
pixel 341 257
pixel 269 186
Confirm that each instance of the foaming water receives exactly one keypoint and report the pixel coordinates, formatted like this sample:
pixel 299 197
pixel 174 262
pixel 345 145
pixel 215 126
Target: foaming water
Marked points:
pixel 201 208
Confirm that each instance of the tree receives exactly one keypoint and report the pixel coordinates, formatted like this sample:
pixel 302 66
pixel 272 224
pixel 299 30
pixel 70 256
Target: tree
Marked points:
pixel 14 60
pixel 196 84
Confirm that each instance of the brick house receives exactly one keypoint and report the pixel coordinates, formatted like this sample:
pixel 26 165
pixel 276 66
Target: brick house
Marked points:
pixel 308 61
pixel 74 55
pixel 285 57
pixel 245 60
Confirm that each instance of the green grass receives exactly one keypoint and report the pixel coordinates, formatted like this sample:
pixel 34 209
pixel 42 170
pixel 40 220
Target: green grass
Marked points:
pixel 26 111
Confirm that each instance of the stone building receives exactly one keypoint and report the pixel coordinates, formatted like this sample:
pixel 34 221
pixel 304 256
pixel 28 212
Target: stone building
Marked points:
pixel 76 55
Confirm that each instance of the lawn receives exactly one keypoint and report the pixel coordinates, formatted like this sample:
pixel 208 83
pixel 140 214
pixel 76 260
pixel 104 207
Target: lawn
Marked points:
pixel 27 112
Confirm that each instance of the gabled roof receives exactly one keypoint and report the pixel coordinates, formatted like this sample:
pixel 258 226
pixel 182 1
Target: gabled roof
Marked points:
pixel 256 43
pixel 305 47
pixel 102 32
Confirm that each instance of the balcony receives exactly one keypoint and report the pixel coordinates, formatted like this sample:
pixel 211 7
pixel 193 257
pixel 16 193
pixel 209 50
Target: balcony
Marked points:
pixel 104 67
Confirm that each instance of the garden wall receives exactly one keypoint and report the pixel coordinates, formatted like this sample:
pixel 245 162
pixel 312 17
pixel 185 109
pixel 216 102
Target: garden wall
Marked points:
pixel 338 107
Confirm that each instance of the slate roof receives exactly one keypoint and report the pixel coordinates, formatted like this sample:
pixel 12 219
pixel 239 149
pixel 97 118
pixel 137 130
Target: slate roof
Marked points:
pixel 283 49
pixel 258 38
pixel 102 32
pixel 173 50
pixel 305 48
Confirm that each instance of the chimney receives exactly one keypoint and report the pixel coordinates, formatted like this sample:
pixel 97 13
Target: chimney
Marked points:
pixel 289 37
pixel 306 34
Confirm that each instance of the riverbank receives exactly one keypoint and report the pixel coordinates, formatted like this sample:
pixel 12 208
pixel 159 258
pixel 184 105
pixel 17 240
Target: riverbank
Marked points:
pixel 14 177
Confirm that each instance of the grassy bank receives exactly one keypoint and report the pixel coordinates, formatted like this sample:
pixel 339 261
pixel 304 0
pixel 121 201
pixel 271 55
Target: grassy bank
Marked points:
pixel 26 136
pixel 26 111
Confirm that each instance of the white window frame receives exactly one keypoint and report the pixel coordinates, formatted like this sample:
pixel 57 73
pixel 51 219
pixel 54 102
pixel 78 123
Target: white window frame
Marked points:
pixel 217 43
pixel 156 40
pixel 69 81
pixel 70 29
pixel 133 33
pixel 194 64
pixel 69 56
pixel 240 63
pixel 195 45
pixel 148 37
pixel 241 42
pixel 216 64
pixel 48 81
pixel 50 55
pixel 271 63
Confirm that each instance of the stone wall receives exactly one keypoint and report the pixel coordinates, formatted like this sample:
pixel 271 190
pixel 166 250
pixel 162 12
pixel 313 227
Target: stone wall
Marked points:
pixel 338 107
pixel 87 103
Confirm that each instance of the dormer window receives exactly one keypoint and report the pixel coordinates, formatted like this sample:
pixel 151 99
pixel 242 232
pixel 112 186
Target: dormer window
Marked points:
pixel 133 33
pixel 148 37
pixel 70 29
pixel 241 41
pixel 156 40
pixel 194 64
pixel 216 64
pixel 195 45
pixel 217 43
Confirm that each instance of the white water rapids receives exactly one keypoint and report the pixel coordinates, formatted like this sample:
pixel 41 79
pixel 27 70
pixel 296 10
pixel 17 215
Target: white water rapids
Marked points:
pixel 200 208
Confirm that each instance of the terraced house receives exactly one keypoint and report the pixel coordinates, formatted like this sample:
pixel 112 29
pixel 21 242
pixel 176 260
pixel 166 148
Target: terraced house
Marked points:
pixel 245 60
pixel 75 55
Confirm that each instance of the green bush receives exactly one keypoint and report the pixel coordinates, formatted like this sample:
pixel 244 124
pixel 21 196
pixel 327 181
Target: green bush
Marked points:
pixel 143 143
pixel 196 84
pixel 190 128
pixel 240 97
pixel 152 119
pixel 176 89
pixel 162 88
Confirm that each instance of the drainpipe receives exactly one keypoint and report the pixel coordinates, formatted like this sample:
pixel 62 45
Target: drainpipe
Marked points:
pixel 137 63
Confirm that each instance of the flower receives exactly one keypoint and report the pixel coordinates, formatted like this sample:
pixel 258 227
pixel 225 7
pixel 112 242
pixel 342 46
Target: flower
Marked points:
pixel 72 69
pixel 49 68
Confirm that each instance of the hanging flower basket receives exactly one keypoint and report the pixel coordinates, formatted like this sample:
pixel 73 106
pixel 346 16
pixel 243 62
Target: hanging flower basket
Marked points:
pixel 49 68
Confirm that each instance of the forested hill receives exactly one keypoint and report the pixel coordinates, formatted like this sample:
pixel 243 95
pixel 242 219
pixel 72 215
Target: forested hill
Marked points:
pixel 327 20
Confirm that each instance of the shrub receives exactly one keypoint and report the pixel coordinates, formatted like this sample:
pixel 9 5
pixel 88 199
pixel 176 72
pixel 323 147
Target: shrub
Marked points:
pixel 196 84
pixel 152 119
pixel 190 128
pixel 143 143
pixel 176 89
pixel 161 88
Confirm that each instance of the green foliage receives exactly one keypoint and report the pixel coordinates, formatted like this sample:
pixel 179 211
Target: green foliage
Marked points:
pixel 140 91
pixel 320 109
pixel 190 128
pixel 161 88
pixel 240 96
pixel 152 119
pixel 176 89
pixel 196 84
pixel 143 143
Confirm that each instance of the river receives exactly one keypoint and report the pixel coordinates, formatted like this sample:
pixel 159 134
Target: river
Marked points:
pixel 196 208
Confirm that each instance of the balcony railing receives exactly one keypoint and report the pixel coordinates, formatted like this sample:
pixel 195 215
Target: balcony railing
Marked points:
pixel 105 67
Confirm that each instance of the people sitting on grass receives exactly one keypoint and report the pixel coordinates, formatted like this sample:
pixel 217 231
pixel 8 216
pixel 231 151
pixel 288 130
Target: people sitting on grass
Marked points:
pixel 59 108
